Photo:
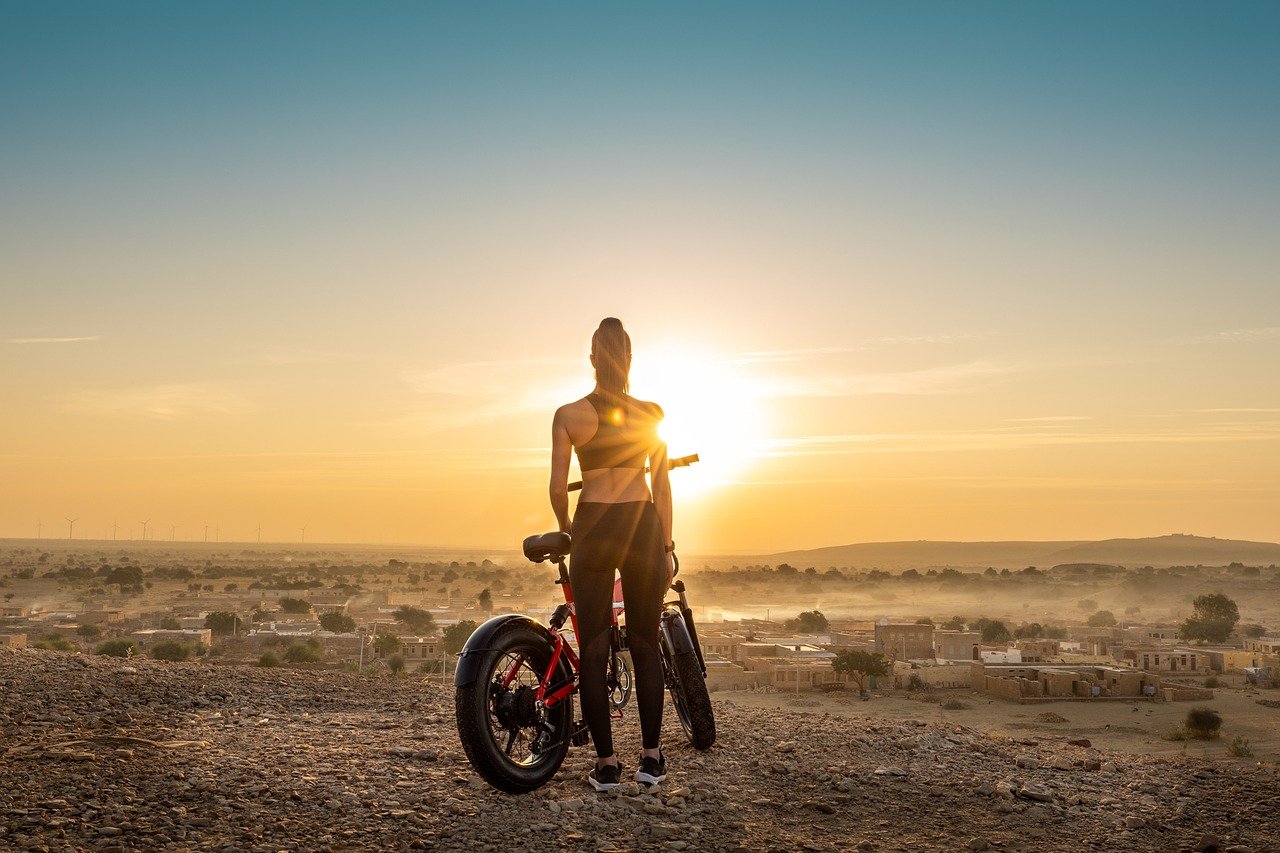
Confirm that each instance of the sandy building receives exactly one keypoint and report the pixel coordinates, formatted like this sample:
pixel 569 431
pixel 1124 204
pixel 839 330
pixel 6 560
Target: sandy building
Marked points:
pixel 956 645
pixel 1041 682
pixel 905 641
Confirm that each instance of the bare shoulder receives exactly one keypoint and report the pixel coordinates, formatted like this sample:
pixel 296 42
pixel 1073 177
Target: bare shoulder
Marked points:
pixel 574 412
pixel 651 409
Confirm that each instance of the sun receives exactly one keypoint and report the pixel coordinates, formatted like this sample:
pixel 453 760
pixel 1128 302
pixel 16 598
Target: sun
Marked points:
pixel 713 408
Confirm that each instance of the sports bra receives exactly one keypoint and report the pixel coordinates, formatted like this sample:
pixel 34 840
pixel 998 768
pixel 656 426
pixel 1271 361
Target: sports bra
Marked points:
pixel 623 437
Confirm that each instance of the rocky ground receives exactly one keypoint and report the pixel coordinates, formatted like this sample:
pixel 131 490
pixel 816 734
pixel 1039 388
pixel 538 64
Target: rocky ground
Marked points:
pixel 105 754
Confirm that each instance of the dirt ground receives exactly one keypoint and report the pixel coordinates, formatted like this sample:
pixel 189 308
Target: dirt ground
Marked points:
pixel 1131 727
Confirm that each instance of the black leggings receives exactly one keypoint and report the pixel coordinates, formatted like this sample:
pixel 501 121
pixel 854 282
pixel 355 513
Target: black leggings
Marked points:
pixel 627 537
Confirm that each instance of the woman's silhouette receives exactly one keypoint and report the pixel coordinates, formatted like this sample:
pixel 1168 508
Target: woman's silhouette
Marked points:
pixel 621 523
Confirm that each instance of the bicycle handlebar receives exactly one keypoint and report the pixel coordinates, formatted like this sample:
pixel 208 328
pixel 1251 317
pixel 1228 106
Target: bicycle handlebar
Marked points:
pixel 679 462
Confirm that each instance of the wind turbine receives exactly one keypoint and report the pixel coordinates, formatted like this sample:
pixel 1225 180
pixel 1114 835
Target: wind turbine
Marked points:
pixel 259 533
pixel 39 528
pixel 113 531
pixel 206 533
pixel 144 528
pixel 172 527
pixel 71 526
pixel 217 533
pixel 303 528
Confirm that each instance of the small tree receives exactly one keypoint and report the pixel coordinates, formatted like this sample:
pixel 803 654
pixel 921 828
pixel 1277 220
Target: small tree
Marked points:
pixel 418 621
pixel 955 623
pixel 858 664
pixel 168 623
pixel 89 632
pixel 223 622
pixel 1214 618
pixel 925 620
pixel 118 648
pixel 1203 723
pixel 485 600
pixel 170 650
pixel 338 623
pixel 395 663
pixel 1088 605
pixel 456 636
pixel 301 653
pixel 992 630
pixel 294 605
pixel 809 622
pixel 387 644
pixel 1102 619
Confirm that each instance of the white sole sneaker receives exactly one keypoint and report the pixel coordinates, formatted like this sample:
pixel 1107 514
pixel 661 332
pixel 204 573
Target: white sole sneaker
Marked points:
pixel 646 779
pixel 603 786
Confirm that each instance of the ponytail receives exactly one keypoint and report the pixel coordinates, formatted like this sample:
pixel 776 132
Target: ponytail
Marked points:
pixel 611 348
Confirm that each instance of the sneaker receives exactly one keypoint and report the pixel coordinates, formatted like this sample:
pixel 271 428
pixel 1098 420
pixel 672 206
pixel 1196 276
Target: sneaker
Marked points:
pixel 605 777
pixel 652 770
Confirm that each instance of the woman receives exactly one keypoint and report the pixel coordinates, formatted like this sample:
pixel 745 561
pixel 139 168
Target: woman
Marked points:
pixel 619 524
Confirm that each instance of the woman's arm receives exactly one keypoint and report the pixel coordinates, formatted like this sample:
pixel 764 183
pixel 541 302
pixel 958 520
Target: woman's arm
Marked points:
pixel 660 487
pixel 561 450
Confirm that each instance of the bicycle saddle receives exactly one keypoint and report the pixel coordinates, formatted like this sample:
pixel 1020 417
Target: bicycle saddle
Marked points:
pixel 547 546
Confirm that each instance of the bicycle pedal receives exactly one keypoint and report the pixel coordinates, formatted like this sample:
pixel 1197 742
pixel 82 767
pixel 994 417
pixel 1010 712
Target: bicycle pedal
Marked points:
pixel 581 736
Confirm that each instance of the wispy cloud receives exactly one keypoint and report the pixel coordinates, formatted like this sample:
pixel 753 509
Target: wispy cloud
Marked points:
pixel 1051 419
pixel 282 356
pixel 943 379
pixel 932 442
pixel 160 402
pixel 76 340
pixel 1239 336
pixel 786 356
pixel 478 392
pixel 1252 411
pixel 925 339
pixel 798 354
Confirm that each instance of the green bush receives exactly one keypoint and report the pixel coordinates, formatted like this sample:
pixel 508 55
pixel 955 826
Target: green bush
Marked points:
pixel 55 644
pixel 1175 735
pixel 1203 723
pixel 268 659
pixel 301 653
pixel 954 705
pixel 118 648
pixel 1211 681
pixel 89 632
pixel 1239 748
pixel 170 650
pixel 395 663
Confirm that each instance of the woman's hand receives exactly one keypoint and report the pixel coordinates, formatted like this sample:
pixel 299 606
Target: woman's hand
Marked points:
pixel 671 570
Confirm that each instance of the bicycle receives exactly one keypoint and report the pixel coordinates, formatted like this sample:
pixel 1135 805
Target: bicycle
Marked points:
pixel 516 678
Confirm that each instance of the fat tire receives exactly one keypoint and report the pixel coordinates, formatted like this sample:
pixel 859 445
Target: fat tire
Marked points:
pixel 693 706
pixel 471 707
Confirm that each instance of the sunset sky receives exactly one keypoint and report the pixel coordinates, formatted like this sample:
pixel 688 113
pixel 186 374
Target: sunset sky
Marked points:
pixel 897 271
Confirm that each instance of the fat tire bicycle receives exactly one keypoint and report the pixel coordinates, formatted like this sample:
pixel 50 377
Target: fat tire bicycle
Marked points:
pixel 516 678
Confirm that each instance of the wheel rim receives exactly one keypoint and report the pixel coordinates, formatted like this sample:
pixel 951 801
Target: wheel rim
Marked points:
pixel 515 723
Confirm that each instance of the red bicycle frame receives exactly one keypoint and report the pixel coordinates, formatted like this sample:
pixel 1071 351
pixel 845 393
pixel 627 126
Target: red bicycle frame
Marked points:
pixel 563 649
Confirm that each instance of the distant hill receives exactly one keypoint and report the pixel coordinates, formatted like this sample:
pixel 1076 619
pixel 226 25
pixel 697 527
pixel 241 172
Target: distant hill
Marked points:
pixel 1173 550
